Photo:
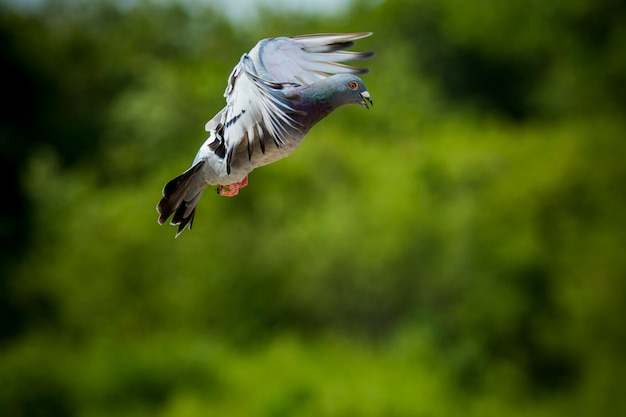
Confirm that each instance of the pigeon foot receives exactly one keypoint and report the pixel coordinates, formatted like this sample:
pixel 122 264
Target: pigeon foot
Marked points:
pixel 232 190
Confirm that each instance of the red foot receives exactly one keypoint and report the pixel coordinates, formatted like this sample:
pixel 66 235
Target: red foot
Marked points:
pixel 232 190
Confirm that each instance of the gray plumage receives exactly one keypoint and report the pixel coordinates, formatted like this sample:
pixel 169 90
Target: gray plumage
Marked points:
pixel 275 95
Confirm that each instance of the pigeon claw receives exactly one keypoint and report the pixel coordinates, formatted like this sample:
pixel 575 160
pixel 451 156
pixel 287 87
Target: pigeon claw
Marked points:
pixel 232 190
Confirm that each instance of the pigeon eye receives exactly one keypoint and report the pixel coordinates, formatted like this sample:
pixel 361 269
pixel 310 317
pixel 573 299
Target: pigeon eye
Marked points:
pixel 352 85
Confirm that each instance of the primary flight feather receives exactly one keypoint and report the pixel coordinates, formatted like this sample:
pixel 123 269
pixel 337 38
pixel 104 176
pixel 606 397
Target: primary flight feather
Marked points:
pixel 275 94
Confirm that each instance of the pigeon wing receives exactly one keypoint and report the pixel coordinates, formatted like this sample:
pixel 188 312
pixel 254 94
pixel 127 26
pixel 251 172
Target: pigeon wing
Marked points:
pixel 256 109
pixel 308 58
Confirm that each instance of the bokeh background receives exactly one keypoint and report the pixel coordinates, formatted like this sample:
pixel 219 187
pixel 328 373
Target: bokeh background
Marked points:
pixel 460 249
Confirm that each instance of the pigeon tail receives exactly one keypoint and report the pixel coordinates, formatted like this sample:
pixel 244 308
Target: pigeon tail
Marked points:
pixel 180 199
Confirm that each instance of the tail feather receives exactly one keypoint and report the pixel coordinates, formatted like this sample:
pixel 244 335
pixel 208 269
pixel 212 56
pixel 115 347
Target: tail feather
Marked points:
pixel 178 201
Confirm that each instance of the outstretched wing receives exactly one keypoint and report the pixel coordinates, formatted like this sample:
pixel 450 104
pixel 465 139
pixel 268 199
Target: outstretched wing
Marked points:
pixel 308 58
pixel 256 110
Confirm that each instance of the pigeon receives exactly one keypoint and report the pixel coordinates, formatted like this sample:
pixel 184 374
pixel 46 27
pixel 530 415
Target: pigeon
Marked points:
pixel 275 94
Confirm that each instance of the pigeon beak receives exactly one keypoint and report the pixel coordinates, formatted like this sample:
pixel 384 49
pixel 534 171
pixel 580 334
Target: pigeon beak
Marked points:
pixel 365 99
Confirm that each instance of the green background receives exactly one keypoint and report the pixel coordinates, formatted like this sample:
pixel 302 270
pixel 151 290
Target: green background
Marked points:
pixel 459 249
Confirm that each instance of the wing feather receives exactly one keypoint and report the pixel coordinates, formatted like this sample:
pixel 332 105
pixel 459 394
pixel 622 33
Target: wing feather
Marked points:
pixel 308 58
pixel 255 108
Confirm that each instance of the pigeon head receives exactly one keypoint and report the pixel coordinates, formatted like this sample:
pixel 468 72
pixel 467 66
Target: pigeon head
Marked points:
pixel 349 89
pixel 311 103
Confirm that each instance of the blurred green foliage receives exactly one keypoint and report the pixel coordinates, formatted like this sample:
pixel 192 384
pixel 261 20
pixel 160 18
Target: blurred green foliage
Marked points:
pixel 459 249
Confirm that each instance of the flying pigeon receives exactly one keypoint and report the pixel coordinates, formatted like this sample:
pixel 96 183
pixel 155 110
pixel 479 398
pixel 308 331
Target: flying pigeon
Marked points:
pixel 274 96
